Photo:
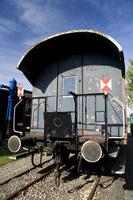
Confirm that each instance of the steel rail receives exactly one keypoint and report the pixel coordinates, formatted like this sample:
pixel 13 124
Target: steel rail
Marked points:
pixel 91 195
pixel 22 173
pixel 49 169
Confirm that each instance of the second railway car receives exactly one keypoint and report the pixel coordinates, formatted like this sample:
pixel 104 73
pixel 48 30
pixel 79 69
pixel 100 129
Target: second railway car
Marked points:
pixel 78 102
pixel 3 107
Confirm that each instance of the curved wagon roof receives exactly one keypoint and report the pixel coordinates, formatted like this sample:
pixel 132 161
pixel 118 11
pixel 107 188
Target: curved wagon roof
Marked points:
pixel 64 44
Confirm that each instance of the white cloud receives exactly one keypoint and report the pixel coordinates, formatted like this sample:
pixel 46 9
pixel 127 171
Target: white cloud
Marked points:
pixel 34 19
pixel 8 62
pixel 31 42
pixel 8 71
pixel 119 25
pixel 5 78
pixel 40 15
pixel 116 13
pixel 7 25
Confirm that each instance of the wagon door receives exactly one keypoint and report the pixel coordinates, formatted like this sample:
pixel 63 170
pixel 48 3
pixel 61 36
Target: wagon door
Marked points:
pixel 69 79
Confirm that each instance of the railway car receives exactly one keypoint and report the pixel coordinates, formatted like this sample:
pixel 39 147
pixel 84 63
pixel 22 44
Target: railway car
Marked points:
pixel 3 107
pixel 11 116
pixel 78 99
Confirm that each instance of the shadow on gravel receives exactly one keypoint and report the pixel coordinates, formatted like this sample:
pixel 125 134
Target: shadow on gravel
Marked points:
pixel 79 187
pixel 108 182
pixel 71 175
pixel 128 187
pixel 46 169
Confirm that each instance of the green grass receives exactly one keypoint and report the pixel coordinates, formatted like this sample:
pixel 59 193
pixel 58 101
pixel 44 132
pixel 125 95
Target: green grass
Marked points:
pixel 4 156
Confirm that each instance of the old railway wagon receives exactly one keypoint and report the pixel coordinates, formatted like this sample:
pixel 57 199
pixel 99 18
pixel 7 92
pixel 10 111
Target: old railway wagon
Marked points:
pixel 78 102
pixel 3 107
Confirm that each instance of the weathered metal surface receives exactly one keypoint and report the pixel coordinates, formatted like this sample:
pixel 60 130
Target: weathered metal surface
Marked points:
pixel 91 136
pixel 3 108
pixel 82 62
pixel 68 43
pixel 58 125
pixel 91 151
pixel 90 82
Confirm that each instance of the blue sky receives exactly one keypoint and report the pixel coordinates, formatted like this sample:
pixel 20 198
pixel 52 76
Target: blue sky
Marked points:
pixel 24 22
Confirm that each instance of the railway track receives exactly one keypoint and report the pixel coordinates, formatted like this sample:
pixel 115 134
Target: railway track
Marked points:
pixel 40 174
pixel 96 183
pixel 22 173
pixel 95 187
pixel 84 187
pixel 102 186
pixel 49 169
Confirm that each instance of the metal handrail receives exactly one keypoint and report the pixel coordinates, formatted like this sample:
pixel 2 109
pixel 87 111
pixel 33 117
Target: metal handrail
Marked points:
pixel 123 113
pixel 14 118
pixel 85 95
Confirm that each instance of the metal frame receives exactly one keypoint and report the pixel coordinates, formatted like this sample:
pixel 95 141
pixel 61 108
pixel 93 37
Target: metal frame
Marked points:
pixel 75 97
pixel 14 118
pixel 67 77
pixel 124 124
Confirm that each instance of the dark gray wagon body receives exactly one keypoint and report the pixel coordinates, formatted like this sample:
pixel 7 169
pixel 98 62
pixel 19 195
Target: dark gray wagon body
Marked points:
pixel 77 61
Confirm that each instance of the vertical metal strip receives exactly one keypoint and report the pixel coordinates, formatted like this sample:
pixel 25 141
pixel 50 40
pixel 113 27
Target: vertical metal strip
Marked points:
pixel 82 77
pixel 33 117
pixel 31 112
pixel 45 103
pixel 46 98
pixel 95 111
pixel 38 112
pixel 86 112
pixel 76 120
pixel 106 122
pixel 57 88
pixel 24 115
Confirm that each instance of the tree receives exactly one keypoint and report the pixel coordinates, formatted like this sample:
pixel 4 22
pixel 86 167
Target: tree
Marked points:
pixel 129 84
